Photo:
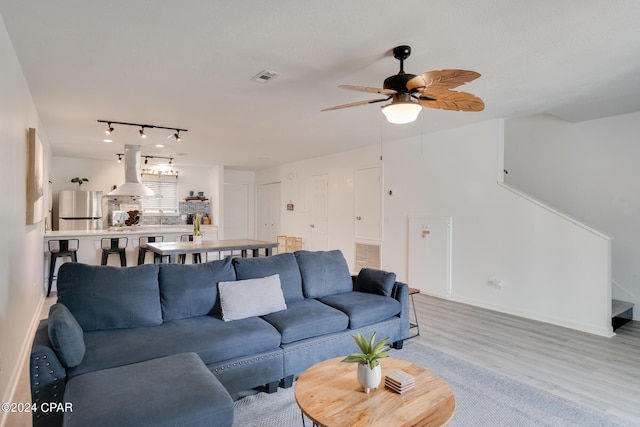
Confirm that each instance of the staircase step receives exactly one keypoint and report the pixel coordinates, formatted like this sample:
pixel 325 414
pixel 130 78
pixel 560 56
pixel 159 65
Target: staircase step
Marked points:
pixel 618 307
pixel 621 313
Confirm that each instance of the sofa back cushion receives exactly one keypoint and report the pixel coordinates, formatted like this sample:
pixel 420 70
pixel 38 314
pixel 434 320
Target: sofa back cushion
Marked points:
pixel 324 273
pixel 190 290
pixel 104 297
pixel 284 265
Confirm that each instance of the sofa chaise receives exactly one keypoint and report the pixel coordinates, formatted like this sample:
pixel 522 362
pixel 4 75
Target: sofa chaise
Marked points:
pixel 252 321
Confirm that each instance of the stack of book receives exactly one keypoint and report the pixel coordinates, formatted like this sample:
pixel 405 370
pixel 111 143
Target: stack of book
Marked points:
pixel 399 381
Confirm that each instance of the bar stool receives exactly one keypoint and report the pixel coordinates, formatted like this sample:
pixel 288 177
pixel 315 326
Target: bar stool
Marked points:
pixel 182 258
pixel 114 245
pixel 142 247
pixel 58 249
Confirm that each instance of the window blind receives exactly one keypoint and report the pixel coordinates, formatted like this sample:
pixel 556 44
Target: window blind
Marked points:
pixel 166 189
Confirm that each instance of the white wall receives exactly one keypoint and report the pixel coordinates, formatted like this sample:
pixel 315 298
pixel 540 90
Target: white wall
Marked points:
pixel 104 174
pixel 295 179
pixel 589 170
pixel 21 261
pixel 248 178
pixel 554 270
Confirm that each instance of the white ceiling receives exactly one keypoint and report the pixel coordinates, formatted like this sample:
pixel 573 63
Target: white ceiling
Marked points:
pixel 189 63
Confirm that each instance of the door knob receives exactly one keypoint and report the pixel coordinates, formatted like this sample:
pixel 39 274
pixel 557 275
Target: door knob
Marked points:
pixel 359 218
pixel 312 226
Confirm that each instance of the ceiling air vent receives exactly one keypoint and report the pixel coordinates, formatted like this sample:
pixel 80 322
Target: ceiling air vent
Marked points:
pixel 264 76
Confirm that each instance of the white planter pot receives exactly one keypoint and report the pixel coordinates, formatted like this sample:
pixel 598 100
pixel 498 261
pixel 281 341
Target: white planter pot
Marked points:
pixel 197 240
pixel 369 378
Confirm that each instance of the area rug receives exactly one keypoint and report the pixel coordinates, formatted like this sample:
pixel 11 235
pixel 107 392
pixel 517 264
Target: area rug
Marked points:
pixel 483 398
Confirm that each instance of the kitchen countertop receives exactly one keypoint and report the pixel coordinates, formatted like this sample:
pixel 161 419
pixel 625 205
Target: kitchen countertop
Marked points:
pixel 133 230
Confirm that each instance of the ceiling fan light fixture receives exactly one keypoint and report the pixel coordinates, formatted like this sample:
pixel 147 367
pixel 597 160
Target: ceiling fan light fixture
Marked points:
pixel 401 112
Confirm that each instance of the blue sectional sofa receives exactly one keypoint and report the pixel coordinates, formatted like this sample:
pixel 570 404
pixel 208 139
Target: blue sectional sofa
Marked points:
pixel 253 321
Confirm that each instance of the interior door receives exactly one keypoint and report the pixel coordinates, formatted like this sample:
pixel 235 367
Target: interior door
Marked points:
pixel 368 220
pixel 319 216
pixel 269 211
pixel 429 261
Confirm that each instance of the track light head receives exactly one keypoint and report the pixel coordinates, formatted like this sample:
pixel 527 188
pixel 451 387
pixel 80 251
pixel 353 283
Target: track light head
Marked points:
pixel 170 162
pixel 142 134
pixel 146 160
pixel 109 129
pixel 119 158
pixel 177 135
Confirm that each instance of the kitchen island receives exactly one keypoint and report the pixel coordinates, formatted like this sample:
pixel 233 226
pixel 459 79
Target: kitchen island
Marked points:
pixel 90 250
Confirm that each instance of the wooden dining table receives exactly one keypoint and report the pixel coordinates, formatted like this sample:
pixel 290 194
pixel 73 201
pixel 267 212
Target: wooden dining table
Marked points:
pixel 171 249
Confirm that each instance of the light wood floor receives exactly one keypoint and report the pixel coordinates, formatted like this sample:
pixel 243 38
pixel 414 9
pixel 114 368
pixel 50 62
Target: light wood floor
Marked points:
pixel 601 373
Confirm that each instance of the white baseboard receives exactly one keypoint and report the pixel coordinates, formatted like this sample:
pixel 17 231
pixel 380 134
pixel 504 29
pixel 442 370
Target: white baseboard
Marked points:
pixel 604 331
pixel 25 352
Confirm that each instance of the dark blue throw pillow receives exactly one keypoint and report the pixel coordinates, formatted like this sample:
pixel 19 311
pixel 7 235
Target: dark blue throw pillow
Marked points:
pixel 375 281
pixel 66 336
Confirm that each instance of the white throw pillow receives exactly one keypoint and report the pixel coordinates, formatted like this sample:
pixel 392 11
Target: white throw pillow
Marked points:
pixel 252 297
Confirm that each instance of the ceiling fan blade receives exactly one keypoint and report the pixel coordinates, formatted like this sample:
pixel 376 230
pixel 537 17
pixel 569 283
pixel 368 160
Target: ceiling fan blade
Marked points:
pixel 355 104
pixel 447 79
pixel 452 100
pixel 369 89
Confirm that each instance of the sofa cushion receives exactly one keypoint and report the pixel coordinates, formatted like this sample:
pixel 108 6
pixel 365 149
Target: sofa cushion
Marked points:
pixel 213 339
pixel 324 273
pixel 190 290
pixel 105 297
pixel 251 297
pixel 363 308
pixel 66 336
pixel 305 319
pixel 284 265
pixel 177 390
pixel 375 282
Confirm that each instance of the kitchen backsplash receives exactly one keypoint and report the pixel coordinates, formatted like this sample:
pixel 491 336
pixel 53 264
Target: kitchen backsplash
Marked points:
pixel 186 208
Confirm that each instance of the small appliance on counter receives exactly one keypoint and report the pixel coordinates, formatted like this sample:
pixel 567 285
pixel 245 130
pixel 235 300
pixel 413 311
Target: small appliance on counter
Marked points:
pixel 79 210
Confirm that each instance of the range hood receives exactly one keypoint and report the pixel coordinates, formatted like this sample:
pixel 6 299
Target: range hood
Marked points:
pixel 133 186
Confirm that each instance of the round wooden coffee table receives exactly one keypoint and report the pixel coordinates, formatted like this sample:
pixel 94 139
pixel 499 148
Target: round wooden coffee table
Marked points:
pixel 329 394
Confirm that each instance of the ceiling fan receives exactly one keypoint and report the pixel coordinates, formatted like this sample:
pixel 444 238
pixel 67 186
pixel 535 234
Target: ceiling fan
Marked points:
pixel 410 92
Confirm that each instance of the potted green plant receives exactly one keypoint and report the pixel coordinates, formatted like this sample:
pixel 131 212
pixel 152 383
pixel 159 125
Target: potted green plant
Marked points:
pixel 369 371
pixel 79 181
pixel 197 234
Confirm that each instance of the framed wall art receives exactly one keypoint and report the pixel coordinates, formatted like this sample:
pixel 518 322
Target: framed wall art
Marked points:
pixel 35 178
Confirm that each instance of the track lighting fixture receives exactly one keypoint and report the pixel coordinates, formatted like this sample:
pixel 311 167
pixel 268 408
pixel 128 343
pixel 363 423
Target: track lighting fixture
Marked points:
pixel 142 128
pixel 146 158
